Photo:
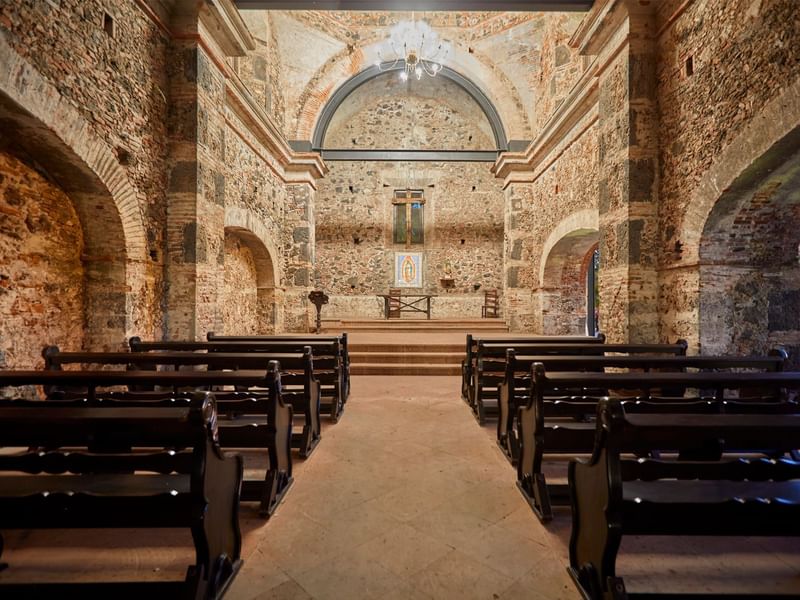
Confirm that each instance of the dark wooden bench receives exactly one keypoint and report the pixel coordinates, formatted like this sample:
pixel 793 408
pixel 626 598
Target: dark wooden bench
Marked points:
pixel 491 364
pixel 468 363
pixel 275 435
pixel 328 366
pixel 299 385
pixel 308 340
pixel 513 391
pixel 195 487
pixel 558 425
pixel 613 496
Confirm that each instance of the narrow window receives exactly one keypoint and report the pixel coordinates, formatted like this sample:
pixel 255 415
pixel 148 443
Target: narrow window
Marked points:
pixel 108 24
pixel 409 222
pixel 593 294
pixel 690 66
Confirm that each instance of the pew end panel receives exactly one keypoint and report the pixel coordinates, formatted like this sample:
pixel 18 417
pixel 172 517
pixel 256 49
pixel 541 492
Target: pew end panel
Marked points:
pixel 194 487
pixel 613 496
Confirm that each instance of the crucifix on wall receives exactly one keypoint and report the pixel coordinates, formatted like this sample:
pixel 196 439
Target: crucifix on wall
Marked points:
pixel 409 224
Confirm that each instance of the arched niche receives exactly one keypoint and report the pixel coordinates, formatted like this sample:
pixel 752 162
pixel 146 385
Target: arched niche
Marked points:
pixel 749 274
pixel 38 124
pixel 242 229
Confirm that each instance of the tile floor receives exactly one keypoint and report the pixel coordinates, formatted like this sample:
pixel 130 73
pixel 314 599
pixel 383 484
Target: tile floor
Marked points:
pixel 407 497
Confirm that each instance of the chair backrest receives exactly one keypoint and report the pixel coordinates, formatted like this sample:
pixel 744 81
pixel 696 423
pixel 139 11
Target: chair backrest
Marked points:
pixel 490 303
pixel 394 302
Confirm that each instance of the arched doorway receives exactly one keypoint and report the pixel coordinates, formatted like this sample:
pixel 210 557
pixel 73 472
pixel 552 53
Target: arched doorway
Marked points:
pixel 568 286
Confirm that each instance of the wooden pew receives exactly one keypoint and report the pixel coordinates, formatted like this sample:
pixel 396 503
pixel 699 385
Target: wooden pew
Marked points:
pixel 299 386
pixel 196 487
pixel 548 425
pixel 613 496
pixel 491 364
pixel 468 363
pixel 309 339
pixel 275 436
pixel 328 367
pixel 514 389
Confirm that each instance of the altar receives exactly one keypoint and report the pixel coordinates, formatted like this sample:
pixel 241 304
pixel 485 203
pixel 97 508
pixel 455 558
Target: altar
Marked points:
pixel 396 304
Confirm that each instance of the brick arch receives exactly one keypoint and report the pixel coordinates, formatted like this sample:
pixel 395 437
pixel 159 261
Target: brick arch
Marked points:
pixel 773 122
pixel 749 277
pixel 581 221
pixel 52 131
pixel 681 295
pixel 346 64
pixel 562 273
pixel 247 228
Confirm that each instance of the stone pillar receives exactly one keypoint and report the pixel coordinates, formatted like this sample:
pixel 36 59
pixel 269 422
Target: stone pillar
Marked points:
pixel 628 159
pixel 196 193
pixel 299 248
pixel 519 309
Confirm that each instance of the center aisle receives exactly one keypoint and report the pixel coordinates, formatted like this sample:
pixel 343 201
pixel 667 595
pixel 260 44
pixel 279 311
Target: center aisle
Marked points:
pixel 406 497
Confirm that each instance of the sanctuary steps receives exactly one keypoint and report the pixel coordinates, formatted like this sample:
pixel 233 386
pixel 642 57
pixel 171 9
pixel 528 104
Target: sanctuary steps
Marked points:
pixel 408 347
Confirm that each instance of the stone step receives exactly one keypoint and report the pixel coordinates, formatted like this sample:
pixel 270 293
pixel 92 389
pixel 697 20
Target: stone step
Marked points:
pixel 398 370
pixel 361 347
pixel 414 327
pixel 401 358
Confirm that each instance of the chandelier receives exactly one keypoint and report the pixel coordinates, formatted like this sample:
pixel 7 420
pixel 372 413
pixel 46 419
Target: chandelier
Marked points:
pixel 417 45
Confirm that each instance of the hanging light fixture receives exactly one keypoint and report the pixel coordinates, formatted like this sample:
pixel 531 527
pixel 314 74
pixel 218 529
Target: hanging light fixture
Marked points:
pixel 417 45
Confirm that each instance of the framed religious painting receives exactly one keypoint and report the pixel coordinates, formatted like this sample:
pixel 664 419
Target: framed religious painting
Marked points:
pixel 408 269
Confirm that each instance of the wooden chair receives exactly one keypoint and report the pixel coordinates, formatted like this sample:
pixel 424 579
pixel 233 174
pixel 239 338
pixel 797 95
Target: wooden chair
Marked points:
pixel 394 303
pixel 491 305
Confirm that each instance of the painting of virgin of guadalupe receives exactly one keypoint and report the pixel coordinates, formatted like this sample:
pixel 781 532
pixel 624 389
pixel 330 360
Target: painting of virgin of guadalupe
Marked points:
pixel 408 269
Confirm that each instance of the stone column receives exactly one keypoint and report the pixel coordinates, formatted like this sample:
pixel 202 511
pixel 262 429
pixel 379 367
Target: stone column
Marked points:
pixel 520 310
pixel 299 247
pixel 628 159
pixel 196 193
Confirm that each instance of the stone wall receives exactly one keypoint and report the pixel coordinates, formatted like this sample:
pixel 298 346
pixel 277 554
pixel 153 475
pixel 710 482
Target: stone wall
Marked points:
pixel 463 202
pixel 41 274
pixel 463 233
pixel 83 94
pixel 559 207
pixel 262 69
pixel 728 75
pixel 430 114
pixel 560 66
pixel 240 297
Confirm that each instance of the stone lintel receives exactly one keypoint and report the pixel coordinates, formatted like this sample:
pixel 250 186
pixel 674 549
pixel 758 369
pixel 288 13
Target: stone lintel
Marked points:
pixel 223 22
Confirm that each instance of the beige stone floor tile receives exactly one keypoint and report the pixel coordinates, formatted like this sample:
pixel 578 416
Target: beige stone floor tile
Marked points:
pixel 457 576
pixel 547 581
pixel 354 574
pixel 405 551
pixel 406 503
pixel 360 524
pixel 507 552
pixel 263 575
pixel 450 525
pixel 286 591
pixel 297 544
pixel 524 521
pixel 492 502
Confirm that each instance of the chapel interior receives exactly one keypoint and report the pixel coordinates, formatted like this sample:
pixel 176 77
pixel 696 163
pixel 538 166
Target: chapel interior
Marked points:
pixel 348 191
